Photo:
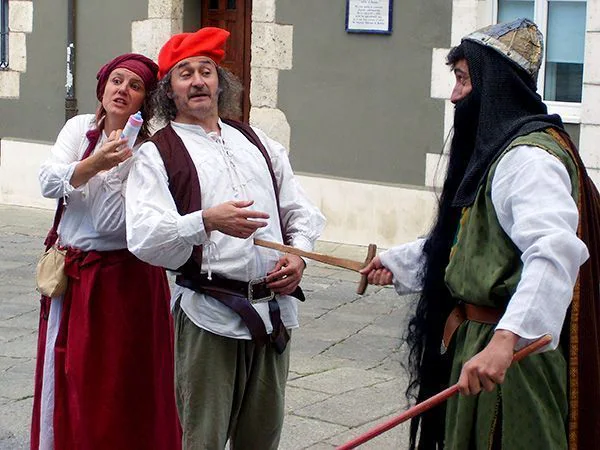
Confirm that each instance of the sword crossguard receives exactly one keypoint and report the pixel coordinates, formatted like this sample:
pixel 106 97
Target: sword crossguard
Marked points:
pixel 362 285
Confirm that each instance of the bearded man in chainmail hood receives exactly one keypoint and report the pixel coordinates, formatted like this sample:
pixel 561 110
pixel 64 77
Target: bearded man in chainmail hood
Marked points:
pixel 512 256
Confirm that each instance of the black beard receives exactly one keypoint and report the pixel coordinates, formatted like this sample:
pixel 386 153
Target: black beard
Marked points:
pixel 466 121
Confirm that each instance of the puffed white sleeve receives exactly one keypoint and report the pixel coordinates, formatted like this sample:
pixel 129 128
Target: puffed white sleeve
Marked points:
pixel 531 193
pixel 56 172
pixel 302 221
pixel 405 261
pixel 156 232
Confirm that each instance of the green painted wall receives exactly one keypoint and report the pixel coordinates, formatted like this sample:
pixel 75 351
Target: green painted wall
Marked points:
pixel 359 105
pixel 103 31
pixel 39 111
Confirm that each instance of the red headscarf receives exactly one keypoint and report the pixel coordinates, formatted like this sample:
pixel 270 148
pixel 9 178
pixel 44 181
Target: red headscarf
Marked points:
pixel 143 67
pixel 208 41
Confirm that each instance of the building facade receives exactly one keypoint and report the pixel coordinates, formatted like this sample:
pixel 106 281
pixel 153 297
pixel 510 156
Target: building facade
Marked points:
pixel 365 115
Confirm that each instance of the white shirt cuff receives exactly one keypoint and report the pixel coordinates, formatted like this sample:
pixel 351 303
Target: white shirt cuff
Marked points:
pixel 191 228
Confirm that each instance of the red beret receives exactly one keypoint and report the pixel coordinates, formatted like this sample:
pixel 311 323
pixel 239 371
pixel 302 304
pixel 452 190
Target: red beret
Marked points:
pixel 143 67
pixel 208 41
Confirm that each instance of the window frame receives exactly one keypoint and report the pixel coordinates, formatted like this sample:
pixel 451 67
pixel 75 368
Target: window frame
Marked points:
pixel 569 111
pixel 4 35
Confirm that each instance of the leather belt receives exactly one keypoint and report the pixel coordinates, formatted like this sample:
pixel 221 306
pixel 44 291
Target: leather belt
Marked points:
pixel 466 311
pixel 256 291
pixel 239 296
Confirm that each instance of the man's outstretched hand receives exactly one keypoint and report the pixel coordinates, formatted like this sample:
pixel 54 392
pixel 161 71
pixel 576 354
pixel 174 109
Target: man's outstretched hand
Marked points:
pixel 234 218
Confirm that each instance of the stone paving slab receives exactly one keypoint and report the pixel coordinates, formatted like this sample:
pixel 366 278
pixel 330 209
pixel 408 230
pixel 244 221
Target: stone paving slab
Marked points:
pixel 26 320
pixel 370 350
pixel 340 380
pixel 15 417
pixel 396 438
pixel 302 365
pixel 361 406
pixel 303 432
pixel 300 397
pixel 17 383
pixel 22 347
pixel 345 370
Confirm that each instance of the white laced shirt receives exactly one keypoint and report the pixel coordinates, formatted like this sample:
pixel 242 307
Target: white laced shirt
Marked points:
pixel 229 168
pixel 531 194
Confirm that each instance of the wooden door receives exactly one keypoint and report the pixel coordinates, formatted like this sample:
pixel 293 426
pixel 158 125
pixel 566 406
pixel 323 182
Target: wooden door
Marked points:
pixel 235 17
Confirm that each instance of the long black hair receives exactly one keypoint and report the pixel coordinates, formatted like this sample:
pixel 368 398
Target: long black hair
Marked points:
pixel 429 369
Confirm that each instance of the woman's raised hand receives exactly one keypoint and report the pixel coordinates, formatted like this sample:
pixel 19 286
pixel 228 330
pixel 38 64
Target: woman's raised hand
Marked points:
pixel 113 152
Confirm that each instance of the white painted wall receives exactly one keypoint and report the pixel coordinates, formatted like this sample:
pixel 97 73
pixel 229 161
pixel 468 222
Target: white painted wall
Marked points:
pixel 357 213
pixel 590 114
pixel 362 214
pixel 19 166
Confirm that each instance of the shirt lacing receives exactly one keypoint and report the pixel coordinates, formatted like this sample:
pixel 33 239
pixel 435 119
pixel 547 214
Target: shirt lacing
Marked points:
pixel 212 253
pixel 66 188
pixel 227 155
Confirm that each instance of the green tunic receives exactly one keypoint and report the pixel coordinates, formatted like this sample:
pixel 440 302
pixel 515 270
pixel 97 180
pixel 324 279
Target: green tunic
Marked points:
pixel 530 408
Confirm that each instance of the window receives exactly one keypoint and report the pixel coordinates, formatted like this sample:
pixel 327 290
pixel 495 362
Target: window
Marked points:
pixel 562 22
pixel 3 34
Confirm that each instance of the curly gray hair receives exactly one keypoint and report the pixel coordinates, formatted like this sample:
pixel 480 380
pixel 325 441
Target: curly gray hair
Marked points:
pixel 230 93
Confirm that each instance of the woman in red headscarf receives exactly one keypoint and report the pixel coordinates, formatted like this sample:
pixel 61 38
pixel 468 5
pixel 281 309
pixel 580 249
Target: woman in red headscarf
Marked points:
pixel 104 375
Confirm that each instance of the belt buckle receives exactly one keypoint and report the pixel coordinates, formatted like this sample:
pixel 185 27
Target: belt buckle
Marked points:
pixel 258 293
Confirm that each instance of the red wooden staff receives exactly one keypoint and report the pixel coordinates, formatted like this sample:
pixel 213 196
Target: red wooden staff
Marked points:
pixel 433 401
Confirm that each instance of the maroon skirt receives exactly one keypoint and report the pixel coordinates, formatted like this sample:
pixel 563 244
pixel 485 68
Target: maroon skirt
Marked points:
pixel 114 377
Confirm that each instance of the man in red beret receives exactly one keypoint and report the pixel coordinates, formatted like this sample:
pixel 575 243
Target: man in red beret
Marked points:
pixel 198 193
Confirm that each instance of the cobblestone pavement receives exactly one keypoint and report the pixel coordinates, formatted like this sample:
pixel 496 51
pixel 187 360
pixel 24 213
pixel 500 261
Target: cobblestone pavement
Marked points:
pixel 345 375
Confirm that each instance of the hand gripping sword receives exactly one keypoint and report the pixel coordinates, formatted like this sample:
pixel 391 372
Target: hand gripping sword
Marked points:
pixel 349 264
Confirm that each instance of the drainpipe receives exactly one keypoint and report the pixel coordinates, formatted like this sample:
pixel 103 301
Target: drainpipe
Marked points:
pixel 70 99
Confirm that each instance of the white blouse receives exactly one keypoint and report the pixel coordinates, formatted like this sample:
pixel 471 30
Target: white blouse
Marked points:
pixel 229 168
pixel 94 214
pixel 531 194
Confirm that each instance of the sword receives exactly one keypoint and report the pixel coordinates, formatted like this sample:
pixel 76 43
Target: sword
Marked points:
pixel 349 264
